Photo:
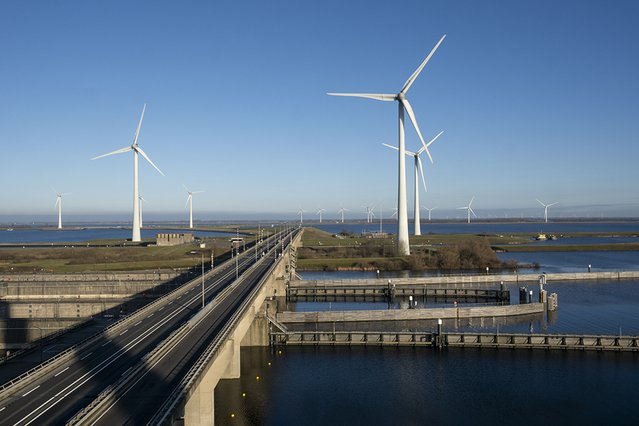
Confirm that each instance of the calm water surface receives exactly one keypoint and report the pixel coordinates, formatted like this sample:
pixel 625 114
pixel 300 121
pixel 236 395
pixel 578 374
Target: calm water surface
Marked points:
pixel 418 386
pixel 488 228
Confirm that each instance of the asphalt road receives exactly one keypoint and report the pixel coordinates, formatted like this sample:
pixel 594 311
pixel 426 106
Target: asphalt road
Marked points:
pixel 57 396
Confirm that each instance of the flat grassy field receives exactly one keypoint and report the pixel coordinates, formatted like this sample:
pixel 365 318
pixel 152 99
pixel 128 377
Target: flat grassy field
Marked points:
pixel 96 259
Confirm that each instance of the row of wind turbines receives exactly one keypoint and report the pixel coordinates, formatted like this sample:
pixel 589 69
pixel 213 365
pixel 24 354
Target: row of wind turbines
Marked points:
pixel 370 212
pixel 137 198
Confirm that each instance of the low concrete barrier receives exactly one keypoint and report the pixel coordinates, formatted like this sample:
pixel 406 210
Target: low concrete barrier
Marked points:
pixel 410 314
pixel 471 279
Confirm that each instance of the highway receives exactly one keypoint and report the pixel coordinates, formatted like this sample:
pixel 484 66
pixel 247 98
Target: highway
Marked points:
pixel 64 390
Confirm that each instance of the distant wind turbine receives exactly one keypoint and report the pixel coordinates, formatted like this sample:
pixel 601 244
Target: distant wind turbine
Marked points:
pixel 319 212
pixel 136 150
pixel 341 211
pixel 189 202
pixel 429 210
pixel 58 204
pixel 419 169
pixel 468 208
pixel 403 104
pixel 301 212
pixel 546 209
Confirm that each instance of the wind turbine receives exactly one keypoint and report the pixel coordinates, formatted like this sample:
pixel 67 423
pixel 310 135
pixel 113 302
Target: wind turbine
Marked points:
pixel 403 104
pixel 429 210
pixel 136 150
pixel 319 212
pixel 341 211
pixel 301 212
pixel 468 208
pixel 546 209
pixel 58 204
pixel 369 213
pixel 419 169
pixel 141 200
pixel 189 202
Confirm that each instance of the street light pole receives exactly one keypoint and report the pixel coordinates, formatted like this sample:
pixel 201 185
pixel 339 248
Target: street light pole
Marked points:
pixel 202 279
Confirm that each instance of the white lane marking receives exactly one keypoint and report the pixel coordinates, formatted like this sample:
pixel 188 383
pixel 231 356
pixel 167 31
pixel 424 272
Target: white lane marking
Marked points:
pixel 86 356
pixel 160 308
pixel 31 391
pixel 56 375
pixel 105 343
pixel 137 323
pixel 151 315
pixel 124 332
pixel 50 403
pixel 2 409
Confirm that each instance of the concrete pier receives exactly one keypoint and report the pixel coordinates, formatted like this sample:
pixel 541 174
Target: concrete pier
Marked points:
pixel 410 314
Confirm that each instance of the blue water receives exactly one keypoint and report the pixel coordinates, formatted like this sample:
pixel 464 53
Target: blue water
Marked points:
pixel 25 236
pixel 577 261
pixel 420 386
pixel 488 228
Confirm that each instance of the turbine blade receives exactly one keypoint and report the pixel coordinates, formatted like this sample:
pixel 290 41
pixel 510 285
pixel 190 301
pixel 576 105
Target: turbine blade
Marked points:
pixel 196 192
pixel 462 208
pixel 137 131
pixel 435 138
pixel 552 204
pixel 411 115
pixel 419 69
pixel 472 211
pixel 187 200
pixel 540 202
pixel 421 171
pixel 138 149
pixel 390 146
pixel 471 201
pixel 117 151
pixel 57 201
pixel 376 96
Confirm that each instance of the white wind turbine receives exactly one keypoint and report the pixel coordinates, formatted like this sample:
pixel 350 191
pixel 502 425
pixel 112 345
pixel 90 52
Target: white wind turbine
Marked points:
pixel 546 209
pixel 58 204
pixel 141 200
pixel 136 150
pixel 403 104
pixel 468 208
pixel 369 213
pixel 419 169
pixel 319 212
pixel 189 202
pixel 429 210
pixel 341 211
pixel 301 212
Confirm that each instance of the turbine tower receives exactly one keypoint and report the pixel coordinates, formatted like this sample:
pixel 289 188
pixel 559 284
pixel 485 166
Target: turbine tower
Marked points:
pixel 429 210
pixel 301 212
pixel 546 209
pixel 58 204
pixel 141 200
pixel 135 237
pixel 403 105
pixel 319 212
pixel 468 209
pixel 189 202
pixel 341 211
pixel 419 169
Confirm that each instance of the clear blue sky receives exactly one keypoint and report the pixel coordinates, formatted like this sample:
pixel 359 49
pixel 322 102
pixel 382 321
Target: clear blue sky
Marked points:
pixel 538 99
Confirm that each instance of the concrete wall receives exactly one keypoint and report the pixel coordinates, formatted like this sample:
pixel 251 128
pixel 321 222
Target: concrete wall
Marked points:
pixel 473 279
pixel 410 314
pixel 107 276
